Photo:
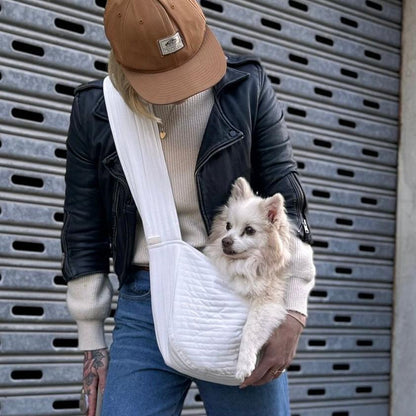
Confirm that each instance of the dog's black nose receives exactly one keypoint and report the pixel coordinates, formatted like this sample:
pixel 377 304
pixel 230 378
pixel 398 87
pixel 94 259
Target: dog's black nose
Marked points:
pixel 227 242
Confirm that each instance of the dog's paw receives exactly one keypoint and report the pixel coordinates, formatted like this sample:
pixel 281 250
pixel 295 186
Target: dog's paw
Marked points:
pixel 244 368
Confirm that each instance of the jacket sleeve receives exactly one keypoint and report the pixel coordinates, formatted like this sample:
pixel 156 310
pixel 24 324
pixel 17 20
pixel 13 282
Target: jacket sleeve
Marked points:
pixel 274 168
pixel 84 237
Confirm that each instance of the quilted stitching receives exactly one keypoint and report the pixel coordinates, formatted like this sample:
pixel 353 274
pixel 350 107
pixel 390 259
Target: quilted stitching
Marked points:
pixel 206 319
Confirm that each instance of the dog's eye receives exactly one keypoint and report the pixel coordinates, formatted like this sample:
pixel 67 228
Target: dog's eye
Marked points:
pixel 249 230
pixel 228 226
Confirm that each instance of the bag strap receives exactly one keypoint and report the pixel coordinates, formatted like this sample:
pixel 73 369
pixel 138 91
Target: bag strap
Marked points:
pixel 141 156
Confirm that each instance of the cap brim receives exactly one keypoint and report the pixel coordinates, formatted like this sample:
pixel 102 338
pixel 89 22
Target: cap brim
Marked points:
pixel 201 72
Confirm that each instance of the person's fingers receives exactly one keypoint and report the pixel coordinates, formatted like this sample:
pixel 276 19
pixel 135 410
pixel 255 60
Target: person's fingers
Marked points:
pixel 258 373
pixel 269 376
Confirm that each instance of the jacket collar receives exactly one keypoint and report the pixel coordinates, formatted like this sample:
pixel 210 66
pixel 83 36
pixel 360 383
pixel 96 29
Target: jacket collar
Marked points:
pixel 231 76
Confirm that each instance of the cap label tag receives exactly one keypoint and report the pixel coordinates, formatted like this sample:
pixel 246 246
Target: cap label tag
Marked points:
pixel 171 44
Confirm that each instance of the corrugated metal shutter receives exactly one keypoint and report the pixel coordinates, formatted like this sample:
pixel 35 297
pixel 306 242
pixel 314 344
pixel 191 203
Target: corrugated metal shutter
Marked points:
pixel 335 65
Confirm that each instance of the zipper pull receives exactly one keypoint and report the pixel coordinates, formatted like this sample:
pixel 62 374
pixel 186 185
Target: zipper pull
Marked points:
pixel 305 226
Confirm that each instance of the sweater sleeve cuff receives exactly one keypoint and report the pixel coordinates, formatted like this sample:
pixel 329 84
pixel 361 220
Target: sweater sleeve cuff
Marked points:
pixel 297 295
pixel 301 272
pixel 89 302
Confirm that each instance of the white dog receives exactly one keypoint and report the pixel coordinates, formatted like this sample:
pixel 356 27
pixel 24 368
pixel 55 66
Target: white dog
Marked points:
pixel 250 244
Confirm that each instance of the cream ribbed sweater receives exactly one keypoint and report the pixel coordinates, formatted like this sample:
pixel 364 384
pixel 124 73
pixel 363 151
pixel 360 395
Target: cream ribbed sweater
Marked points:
pixel 89 297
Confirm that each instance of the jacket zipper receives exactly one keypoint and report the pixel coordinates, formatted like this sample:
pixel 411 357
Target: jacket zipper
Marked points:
pixel 300 197
pixel 199 166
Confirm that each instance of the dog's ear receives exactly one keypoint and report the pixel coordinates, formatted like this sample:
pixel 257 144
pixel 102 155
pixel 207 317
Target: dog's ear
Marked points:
pixel 241 189
pixel 275 207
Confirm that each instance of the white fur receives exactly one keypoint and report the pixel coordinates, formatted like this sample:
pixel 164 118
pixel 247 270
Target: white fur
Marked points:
pixel 255 263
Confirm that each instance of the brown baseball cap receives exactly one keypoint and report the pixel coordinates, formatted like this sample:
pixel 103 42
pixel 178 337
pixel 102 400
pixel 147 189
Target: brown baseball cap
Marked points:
pixel 164 47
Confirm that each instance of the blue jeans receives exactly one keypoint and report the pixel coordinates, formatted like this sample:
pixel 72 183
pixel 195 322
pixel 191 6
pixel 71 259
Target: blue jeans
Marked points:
pixel 139 383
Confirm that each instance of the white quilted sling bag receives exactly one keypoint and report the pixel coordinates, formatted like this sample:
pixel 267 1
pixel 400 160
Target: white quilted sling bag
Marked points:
pixel 198 318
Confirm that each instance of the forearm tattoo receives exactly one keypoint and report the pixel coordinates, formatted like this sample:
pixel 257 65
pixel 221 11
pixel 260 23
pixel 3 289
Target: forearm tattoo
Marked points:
pixel 93 360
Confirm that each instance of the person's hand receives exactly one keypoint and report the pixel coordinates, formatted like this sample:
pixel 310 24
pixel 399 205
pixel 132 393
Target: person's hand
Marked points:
pixel 94 377
pixel 278 352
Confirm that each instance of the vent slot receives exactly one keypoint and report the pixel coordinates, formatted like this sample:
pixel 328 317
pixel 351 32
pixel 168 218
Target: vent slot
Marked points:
pixel 344 221
pixel 371 104
pixel 324 40
pixel 59 280
pixel 341 367
pixel 298 59
pixel 321 91
pixel 348 22
pixel 345 172
pixel 27 48
pixel 101 66
pixel 374 5
pixel 28 246
pixel 27 115
pixel 70 26
pixel 319 243
pixel 27 310
pixel 321 194
pixel 274 80
pixel 212 6
pixel 364 343
pixel 369 201
pixel 65 89
pixel 296 112
pixel 347 123
pixel 27 181
pixel 242 43
pixel 319 293
pixel 316 392
pixel 366 296
pixel 372 55
pixel 26 375
pixel 271 24
pixel 342 318
pixel 60 153
pixel 364 389
pixel 65 404
pixel 322 143
pixel 349 73
pixel 367 249
pixel 298 5
pixel 317 343
pixel 343 270
pixel 65 342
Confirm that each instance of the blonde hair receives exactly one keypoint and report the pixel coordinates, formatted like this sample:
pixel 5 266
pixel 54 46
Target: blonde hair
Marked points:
pixel 136 103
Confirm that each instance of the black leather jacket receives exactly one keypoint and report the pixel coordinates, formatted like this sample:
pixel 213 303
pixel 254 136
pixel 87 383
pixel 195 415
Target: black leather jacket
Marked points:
pixel 245 136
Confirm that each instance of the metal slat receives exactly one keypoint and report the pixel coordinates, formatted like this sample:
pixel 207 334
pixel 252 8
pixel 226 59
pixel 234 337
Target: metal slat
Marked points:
pixel 342 147
pixel 27 149
pixel 341 366
pixel 30 182
pixel 348 73
pixel 319 341
pixel 51 55
pixel 248 15
pixel 346 221
pixel 367 200
pixel 349 318
pixel 367 295
pixel 351 270
pixel 332 93
pixel 323 14
pixel 350 408
pixel 337 389
pixel 56 24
